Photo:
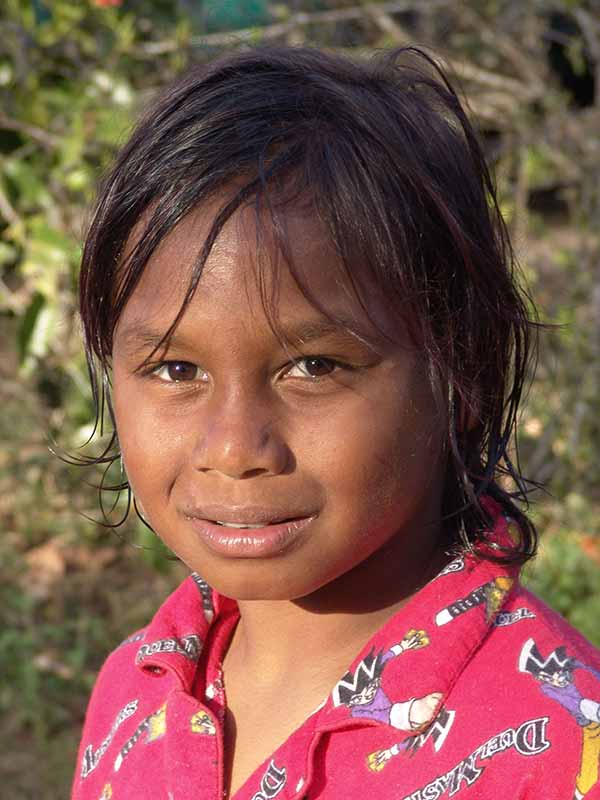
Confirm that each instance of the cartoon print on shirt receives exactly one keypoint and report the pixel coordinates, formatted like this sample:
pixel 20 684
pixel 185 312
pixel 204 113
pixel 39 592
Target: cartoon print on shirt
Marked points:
pixel 107 792
pixel 206 593
pixel 361 692
pixel 528 739
pixel 188 646
pixel 91 757
pixel 491 593
pixel 504 618
pixel 513 530
pixel 202 723
pixel 437 732
pixel 154 726
pixel 271 783
pixel 557 681
pixel 456 565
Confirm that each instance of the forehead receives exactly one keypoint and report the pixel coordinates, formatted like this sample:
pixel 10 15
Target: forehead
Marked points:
pixel 248 269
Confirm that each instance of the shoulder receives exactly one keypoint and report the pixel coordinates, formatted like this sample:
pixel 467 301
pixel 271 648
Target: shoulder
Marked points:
pixel 136 678
pixel 529 646
pixel 122 696
pixel 118 674
pixel 533 688
pixel 526 613
pixel 120 662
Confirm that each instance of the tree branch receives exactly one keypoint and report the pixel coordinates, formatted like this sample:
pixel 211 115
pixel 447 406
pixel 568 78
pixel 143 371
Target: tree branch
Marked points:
pixel 45 138
pixel 7 210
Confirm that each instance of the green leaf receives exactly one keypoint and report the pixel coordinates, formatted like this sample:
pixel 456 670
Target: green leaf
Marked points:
pixel 28 324
pixel 7 253
pixel 112 124
pixel 28 185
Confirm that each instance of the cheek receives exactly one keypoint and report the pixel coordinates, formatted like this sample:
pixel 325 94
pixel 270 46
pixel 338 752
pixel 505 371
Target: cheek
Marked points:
pixel 150 443
pixel 384 448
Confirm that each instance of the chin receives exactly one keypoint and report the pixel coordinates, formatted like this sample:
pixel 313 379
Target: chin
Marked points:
pixel 263 584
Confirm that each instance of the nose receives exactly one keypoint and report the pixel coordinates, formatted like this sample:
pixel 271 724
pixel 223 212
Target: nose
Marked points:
pixel 238 438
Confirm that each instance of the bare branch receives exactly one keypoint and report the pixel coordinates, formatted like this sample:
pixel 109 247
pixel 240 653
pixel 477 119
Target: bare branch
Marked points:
pixel 493 37
pixel 45 138
pixel 7 210
pixel 9 299
pixel 387 24
pixel 514 89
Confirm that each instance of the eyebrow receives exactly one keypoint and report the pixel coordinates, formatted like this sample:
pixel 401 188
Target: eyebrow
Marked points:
pixel 138 337
pixel 311 330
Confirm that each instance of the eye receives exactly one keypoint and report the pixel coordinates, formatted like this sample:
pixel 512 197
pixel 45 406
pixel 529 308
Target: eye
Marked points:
pixel 313 367
pixel 178 372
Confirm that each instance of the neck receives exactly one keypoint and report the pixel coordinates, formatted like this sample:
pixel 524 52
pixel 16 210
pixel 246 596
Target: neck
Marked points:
pixel 282 640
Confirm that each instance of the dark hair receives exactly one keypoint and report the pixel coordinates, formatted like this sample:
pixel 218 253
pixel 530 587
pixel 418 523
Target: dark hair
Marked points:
pixel 387 158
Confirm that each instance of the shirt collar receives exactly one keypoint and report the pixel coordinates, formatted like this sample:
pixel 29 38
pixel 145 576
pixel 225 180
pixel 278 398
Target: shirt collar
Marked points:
pixel 404 674
pixel 174 640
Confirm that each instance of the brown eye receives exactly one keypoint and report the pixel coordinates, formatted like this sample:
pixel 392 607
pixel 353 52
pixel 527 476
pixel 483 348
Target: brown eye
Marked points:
pixel 316 367
pixel 312 367
pixel 177 371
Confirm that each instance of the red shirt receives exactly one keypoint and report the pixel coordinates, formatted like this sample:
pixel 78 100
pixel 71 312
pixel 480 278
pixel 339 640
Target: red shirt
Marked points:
pixel 474 689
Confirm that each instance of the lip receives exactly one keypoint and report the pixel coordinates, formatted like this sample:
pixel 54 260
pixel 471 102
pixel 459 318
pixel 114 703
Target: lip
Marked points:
pixel 252 515
pixel 267 541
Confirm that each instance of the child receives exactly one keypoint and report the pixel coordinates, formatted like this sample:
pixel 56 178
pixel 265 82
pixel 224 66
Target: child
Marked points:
pixel 298 289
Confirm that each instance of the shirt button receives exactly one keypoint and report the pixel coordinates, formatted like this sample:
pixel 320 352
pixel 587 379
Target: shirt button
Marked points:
pixel 213 689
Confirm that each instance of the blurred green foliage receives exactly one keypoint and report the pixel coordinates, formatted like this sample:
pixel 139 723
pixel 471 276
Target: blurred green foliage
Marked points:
pixel 73 77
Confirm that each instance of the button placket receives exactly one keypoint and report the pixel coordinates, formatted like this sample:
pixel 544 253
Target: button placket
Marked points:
pixel 192 751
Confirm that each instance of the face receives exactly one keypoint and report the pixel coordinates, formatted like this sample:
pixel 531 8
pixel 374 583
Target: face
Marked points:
pixel 329 446
pixel 559 678
pixel 366 696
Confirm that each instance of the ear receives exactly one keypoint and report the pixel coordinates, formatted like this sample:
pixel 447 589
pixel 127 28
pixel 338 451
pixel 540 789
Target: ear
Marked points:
pixel 469 414
pixel 469 422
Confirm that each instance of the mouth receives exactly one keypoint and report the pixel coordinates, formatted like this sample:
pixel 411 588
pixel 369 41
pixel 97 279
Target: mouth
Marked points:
pixel 233 516
pixel 249 532
pixel 241 525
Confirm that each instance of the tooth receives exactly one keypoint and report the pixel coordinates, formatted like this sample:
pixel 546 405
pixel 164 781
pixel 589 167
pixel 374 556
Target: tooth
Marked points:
pixel 235 524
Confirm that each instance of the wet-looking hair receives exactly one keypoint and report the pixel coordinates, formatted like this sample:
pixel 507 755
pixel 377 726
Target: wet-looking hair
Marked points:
pixel 383 153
